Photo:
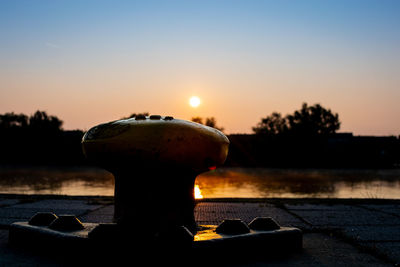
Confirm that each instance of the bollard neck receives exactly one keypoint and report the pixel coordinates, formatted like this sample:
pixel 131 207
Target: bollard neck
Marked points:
pixel 155 198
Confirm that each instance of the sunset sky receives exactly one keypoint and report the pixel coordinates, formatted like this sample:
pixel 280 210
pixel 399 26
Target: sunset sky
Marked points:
pixel 89 62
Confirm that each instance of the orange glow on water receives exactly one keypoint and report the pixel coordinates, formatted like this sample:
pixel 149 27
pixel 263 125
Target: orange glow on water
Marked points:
pixel 197 192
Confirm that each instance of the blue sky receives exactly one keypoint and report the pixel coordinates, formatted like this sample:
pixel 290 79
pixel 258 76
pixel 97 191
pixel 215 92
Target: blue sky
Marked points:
pixel 94 61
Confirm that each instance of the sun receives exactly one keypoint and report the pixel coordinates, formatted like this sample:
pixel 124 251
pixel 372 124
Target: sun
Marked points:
pixel 194 101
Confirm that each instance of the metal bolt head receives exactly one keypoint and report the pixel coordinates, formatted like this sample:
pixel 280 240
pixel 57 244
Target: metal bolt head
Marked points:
pixel 66 223
pixel 232 227
pixel 42 219
pixel 140 117
pixel 264 224
pixel 155 117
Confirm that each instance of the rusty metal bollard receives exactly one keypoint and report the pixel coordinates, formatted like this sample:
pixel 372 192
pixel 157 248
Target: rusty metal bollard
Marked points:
pixel 155 161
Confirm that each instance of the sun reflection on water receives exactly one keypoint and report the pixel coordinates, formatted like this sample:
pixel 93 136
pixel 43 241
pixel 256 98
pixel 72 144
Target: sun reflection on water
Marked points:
pixel 197 192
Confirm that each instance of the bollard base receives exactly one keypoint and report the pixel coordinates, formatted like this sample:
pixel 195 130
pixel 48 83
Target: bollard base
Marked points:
pixel 111 239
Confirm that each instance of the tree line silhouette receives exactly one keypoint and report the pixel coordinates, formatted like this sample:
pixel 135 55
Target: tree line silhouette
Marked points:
pixel 210 121
pixel 38 139
pixel 308 121
pixel 306 138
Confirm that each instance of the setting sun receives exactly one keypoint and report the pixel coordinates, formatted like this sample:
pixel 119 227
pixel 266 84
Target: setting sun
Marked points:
pixel 194 101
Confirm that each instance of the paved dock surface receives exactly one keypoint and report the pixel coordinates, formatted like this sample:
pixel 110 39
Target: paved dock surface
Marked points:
pixel 336 232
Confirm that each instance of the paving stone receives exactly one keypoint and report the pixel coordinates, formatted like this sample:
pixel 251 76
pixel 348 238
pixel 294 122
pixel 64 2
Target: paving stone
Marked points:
pixel 58 204
pixel 104 214
pixel 389 249
pixel 216 212
pixel 389 209
pixel 373 233
pixel 351 217
pixel 8 202
pixel 329 251
pixel 321 207
pixel 24 211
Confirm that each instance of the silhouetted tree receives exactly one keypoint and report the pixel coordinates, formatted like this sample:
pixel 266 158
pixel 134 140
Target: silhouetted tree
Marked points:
pixel 210 121
pixel 41 122
pixel 271 125
pixel 309 120
pixel 313 120
pixel 38 138
pixel 133 115
pixel 12 121
pixel 198 120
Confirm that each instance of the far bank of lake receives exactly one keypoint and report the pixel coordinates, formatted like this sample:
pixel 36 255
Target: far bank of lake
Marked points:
pixel 220 183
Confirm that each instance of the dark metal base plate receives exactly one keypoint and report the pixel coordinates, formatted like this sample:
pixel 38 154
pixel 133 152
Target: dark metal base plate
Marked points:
pixel 207 240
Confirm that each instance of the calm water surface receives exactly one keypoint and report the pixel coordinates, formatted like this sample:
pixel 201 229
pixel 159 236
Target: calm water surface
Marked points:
pixel 220 183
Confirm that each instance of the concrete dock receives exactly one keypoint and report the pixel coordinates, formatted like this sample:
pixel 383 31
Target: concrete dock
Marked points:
pixel 351 232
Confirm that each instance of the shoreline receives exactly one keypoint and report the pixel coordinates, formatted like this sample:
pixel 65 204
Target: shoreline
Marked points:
pixel 325 201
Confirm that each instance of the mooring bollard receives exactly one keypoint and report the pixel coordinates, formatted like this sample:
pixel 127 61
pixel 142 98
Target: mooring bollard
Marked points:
pixel 155 161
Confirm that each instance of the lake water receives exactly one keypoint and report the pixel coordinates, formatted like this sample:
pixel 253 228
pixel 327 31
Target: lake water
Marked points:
pixel 220 183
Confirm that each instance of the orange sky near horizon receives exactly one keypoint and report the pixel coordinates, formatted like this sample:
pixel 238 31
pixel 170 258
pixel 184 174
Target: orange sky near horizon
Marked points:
pixel 89 64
